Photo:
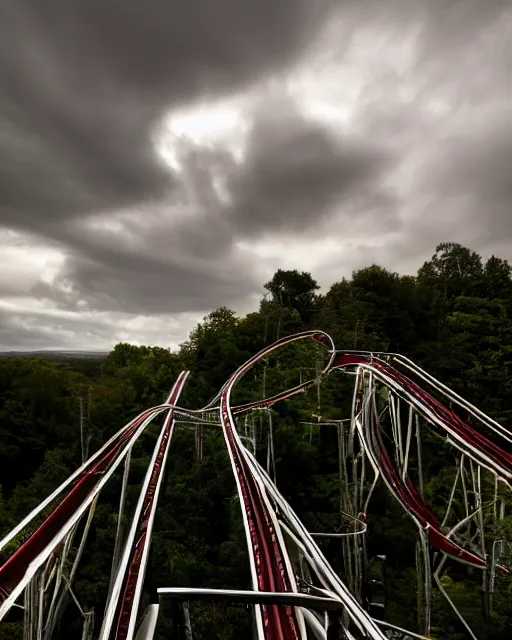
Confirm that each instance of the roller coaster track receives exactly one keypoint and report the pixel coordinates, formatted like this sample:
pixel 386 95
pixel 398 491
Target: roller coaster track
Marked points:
pixel 392 398
pixel 469 441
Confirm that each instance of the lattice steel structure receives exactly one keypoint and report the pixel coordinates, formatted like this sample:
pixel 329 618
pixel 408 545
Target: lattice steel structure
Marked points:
pixel 397 408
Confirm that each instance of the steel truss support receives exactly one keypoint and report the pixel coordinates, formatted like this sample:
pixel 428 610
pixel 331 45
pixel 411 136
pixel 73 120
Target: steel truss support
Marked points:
pixel 120 522
pixel 448 599
pixel 55 614
pixel 198 439
pixel 467 530
pixel 424 572
pixel 271 457
pixel 391 421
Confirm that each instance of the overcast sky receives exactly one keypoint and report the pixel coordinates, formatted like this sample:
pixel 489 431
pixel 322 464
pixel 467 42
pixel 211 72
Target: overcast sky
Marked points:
pixel 160 158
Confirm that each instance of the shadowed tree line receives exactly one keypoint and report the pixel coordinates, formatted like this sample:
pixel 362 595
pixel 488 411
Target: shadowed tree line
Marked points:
pixel 453 318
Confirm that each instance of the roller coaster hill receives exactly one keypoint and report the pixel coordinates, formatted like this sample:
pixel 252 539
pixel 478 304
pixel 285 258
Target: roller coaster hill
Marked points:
pixel 294 592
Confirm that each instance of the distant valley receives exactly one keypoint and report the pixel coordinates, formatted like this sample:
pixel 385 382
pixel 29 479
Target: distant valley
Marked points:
pixel 56 355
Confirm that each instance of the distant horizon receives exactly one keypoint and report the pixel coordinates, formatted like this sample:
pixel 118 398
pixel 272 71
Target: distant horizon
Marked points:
pixel 60 351
pixel 63 352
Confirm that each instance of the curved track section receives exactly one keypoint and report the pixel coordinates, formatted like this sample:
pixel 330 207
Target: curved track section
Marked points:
pixel 406 493
pixel 270 565
pixel 470 441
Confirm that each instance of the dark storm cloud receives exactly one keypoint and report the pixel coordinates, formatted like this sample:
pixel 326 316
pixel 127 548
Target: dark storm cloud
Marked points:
pixel 445 112
pixel 14 336
pixel 84 81
pixel 177 257
pixel 464 195
pixel 296 170
pixel 134 283
pixel 475 172
pixel 84 86
pixel 454 24
pixel 293 171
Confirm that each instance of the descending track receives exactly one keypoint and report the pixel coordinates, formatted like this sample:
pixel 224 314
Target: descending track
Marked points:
pixel 21 566
pixel 482 450
pixel 121 614
pixel 469 441
pixel 464 437
pixel 270 565
pixel 272 528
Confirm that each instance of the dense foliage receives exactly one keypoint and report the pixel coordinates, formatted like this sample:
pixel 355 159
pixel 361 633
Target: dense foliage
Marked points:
pixel 453 318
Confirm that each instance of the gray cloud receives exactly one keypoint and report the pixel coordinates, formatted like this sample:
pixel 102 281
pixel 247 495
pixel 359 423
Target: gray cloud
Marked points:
pixel 295 171
pixel 85 84
pixel 444 111
pixel 14 336
pixel 474 177
pixel 176 257
pixel 33 329
pixel 463 194
pixel 134 283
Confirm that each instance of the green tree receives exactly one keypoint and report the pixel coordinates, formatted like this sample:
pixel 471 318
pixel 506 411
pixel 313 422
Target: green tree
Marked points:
pixel 453 270
pixel 294 290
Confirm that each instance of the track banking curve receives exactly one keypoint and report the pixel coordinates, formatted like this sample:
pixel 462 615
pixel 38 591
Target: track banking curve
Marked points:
pixel 470 442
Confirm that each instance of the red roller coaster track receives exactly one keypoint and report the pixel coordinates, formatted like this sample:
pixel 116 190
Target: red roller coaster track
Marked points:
pixel 271 567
